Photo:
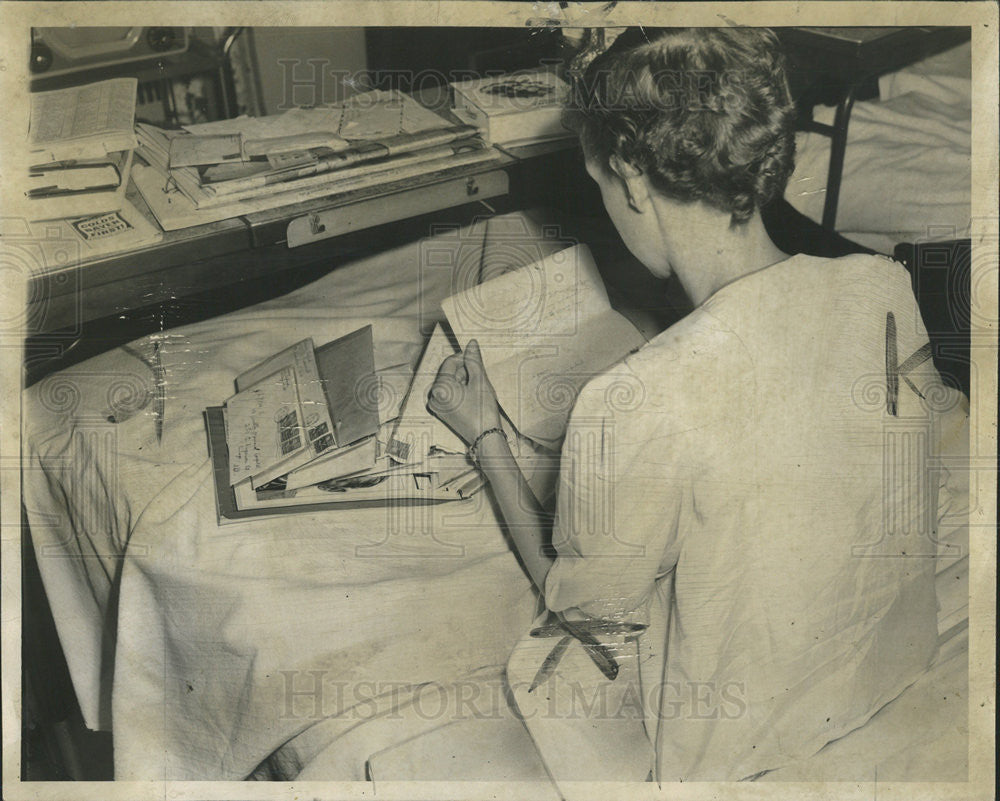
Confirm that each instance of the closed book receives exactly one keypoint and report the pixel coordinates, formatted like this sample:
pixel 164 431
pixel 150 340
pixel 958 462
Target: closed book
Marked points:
pixel 55 197
pixel 515 109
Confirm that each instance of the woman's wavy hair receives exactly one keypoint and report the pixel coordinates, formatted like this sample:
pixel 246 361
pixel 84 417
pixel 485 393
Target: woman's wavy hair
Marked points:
pixel 705 113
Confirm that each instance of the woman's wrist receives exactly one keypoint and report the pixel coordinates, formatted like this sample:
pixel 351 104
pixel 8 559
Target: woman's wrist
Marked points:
pixel 492 450
pixel 481 442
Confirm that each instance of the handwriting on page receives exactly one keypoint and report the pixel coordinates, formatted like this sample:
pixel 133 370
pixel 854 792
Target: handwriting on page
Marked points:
pixel 264 424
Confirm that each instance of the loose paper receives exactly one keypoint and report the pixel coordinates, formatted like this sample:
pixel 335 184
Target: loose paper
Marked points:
pixel 271 431
pixel 544 330
pixel 264 425
pixel 190 151
pixel 418 431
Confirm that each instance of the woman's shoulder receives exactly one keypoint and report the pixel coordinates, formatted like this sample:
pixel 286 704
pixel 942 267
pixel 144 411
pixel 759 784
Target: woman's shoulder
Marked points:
pixel 803 269
pixel 669 371
pixel 803 292
pixel 700 337
pixel 821 268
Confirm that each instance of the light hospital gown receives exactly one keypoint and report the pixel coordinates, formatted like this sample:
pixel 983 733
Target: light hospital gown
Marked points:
pixel 756 484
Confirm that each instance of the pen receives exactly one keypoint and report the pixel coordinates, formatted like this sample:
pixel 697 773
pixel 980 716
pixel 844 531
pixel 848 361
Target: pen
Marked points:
pixel 53 190
pixel 455 478
pixel 550 662
pixel 599 653
pixel 471 487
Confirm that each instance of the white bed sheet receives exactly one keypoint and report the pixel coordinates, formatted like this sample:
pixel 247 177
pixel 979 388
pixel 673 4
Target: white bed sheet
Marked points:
pixel 920 736
pixel 184 637
pixel 907 169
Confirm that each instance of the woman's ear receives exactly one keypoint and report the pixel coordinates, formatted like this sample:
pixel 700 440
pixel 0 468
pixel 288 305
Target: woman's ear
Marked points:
pixel 636 187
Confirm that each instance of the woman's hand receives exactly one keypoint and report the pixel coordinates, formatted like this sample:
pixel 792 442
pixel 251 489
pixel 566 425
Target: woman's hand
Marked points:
pixel 462 396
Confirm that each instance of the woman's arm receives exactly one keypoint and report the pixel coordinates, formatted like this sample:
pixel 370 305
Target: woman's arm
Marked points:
pixel 522 513
pixel 463 398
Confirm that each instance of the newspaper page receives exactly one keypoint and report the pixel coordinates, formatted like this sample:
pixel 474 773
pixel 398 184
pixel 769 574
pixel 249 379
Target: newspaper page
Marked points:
pixel 89 120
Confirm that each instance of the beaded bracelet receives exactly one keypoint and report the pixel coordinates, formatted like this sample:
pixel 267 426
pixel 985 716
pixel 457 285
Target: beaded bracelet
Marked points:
pixel 474 447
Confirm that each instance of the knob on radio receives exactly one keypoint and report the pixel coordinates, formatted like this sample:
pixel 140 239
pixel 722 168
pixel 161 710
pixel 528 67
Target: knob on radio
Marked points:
pixel 41 57
pixel 161 39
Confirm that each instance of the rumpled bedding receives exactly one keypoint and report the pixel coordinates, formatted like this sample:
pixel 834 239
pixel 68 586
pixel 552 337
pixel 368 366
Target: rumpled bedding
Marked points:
pixel 297 646
pixel 579 727
pixel 204 647
pixel 908 167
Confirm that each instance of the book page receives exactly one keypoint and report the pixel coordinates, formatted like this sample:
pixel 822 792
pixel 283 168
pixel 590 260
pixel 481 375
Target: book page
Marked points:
pixel 264 425
pixel 417 430
pixel 313 415
pixel 544 330
pixel 97 109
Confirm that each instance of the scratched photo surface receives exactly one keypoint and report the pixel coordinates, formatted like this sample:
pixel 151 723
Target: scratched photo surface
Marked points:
pixel 497 399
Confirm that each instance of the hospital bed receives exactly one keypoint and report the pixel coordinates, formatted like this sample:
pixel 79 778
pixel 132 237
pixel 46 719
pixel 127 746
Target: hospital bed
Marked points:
pixel 277 648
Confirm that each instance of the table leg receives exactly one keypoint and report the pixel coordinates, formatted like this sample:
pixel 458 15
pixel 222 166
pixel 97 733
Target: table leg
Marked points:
pixel 838 147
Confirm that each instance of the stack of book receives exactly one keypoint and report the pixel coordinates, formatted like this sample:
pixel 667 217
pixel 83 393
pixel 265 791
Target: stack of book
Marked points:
pixel 81 142
pixel 229 168
pixel 304 431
